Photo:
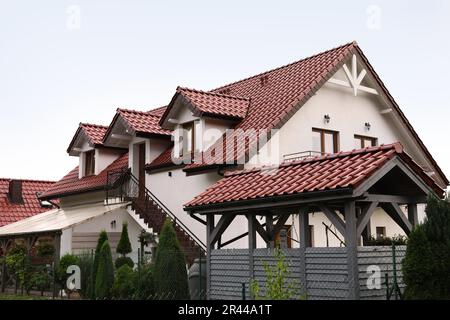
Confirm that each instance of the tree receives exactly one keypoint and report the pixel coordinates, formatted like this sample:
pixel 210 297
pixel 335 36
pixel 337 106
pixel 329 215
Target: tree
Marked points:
pixel 101 239
pixel 426 267
pixel 124 283
pixel 123 248
pixel 145 288
pixel 170 274
pixel 104 279
pixel 278 285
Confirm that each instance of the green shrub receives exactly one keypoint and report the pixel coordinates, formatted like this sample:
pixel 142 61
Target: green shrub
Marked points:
pixel 104 280
pixel 101 239
pixel 145 287
pixel 86 262
pixel 278 285
pixel 19 265
pixel 121 261
pixel 124 245
pixel 170 272
pixel 426 267
pixel 61 272
pixel 397 240
pixel 124 283
pixel 41 279
pixel 45 250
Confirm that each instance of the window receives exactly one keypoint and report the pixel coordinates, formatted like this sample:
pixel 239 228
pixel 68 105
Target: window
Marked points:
pixel 364 142
pixel 188 138
pixel 325 141
pixel 89 163
pixel 381 232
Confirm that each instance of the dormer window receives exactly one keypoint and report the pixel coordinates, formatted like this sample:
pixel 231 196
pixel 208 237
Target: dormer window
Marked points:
pixel 89 163
pixel 189 138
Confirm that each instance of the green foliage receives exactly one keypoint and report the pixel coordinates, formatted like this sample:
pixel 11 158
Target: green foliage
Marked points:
pixel 45 250
pixel 278 285
pixel 101 239
pixel 104 280
pixel 145 288
pixel 85 262
pixel 61 272
pixel 426 267
pixel 41 279
pixel 124 245
pixel 170 272
pixel 124 283
pixel 397 240
pixel 120 261
pixel 19 265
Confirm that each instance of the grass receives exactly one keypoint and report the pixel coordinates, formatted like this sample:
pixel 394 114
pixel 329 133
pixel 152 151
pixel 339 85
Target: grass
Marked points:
pixel 20 297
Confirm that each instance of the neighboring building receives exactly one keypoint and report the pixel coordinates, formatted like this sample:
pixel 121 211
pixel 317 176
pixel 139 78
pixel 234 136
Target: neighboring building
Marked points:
pixel 19 199
pixel 328 103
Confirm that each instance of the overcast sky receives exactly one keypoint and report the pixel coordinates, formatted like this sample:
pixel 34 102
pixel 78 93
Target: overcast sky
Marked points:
pixel 62 62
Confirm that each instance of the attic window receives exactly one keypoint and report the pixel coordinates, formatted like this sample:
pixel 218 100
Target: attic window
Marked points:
pixel 89 163
pixel 264 80
pixel 43 203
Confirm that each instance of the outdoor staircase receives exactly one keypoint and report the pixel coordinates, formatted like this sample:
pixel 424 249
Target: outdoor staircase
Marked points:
pixel 123 186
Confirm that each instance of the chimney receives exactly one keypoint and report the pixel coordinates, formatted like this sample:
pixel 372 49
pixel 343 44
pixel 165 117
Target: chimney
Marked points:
pixel 15 191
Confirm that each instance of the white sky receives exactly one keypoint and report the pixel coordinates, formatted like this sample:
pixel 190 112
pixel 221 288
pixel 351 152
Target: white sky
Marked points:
pixel 134 54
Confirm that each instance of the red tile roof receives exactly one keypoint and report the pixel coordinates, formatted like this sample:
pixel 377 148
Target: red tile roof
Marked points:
pixel 143 122
pixel 71 184
pixel 211 103
pixel 10 212
pixel 93 132
pixel 162 161
pixel 330 172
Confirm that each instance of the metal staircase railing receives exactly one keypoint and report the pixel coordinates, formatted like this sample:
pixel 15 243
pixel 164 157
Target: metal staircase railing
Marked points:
pixel 123 186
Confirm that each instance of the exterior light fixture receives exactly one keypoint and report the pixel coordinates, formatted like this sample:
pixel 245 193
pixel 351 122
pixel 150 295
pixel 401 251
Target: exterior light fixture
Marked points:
pixel 326 118
pixel 367 125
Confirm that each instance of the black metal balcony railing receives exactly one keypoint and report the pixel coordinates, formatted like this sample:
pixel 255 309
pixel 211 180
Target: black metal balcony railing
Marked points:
pixel 123 186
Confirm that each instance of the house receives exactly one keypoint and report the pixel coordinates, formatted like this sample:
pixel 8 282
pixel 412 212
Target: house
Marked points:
pixel 19 199
pixel 147 166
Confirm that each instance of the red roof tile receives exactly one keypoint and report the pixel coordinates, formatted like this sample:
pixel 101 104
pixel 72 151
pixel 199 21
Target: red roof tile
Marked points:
pixel 71 184
pixel 95 132
pixel 10 212
pixel 143 121
pixel 330 172
pixel 211 103
pixel 161 161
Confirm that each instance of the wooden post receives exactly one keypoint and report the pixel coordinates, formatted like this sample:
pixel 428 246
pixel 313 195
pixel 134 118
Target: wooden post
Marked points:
pixel 305 242
pixel 413 216
pixel 209 247
pixel 56 257
pixel 251 245
pixel 269 228
pixel 352 250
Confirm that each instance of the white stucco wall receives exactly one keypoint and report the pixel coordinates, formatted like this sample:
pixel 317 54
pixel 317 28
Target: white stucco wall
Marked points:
pixel 104 157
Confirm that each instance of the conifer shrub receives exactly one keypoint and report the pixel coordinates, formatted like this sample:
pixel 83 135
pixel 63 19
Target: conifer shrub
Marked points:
pixel 170 273
pixel 104 279
pixel 426 267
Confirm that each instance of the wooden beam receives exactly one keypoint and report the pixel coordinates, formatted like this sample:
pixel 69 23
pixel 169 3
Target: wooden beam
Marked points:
pixel 260 229
pixel 280 223
pixel 209 247
pixel 390 198
pixel 333 217
pixel 352 251
pixel 364 218
pixel 251 243
pixel 221 226
pixel 270 231
pixel 305 235
pixel 394 211
pixel 413 216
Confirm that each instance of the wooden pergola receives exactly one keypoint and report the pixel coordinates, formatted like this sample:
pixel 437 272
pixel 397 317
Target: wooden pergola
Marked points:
pixel 389 188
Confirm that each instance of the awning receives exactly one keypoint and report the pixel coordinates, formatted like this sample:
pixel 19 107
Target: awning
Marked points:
pixel 59 219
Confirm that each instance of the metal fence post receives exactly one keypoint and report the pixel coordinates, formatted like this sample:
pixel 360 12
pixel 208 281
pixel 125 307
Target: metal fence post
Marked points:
pixel 243 290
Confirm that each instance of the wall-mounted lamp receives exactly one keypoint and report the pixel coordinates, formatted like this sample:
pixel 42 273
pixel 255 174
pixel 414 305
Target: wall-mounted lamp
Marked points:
pixel 326 118
pixel 113 224
pixel 367 125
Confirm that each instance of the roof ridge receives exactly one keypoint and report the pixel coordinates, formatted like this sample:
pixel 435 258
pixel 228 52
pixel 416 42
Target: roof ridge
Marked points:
pixel 29 180
pixel 149 113
pixel 353 43
pixel 397 146
pixel 93 125
pixel 214 93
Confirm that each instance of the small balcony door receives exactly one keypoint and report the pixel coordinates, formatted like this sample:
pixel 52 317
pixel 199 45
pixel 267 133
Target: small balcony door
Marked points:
pixel 141 168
